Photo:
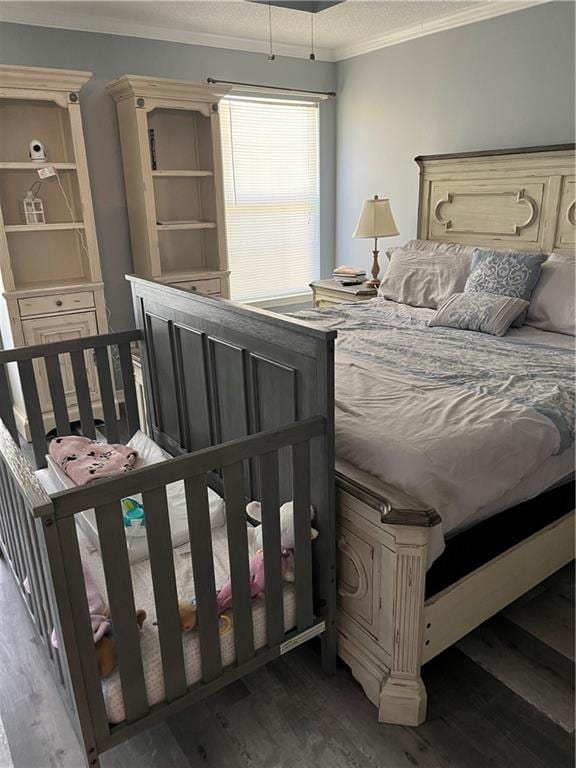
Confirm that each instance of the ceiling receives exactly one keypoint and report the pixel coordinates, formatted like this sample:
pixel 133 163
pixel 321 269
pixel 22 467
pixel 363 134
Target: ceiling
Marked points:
pixel 342 31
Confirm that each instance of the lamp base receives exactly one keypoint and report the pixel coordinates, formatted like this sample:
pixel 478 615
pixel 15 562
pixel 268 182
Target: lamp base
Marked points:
pixel 374 282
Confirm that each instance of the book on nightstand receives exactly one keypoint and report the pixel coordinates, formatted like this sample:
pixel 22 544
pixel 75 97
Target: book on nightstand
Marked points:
pixel 349 275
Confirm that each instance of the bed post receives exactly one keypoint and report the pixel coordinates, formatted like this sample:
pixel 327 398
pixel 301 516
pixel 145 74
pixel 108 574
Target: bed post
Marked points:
pixel 402 694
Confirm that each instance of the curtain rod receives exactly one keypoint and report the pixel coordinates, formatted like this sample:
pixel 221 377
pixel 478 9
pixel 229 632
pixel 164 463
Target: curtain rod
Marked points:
pixel 213 81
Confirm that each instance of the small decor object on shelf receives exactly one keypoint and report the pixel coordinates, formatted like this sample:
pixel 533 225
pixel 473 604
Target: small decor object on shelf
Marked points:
pixel 33 209
pixel 37 151
pixel 376 221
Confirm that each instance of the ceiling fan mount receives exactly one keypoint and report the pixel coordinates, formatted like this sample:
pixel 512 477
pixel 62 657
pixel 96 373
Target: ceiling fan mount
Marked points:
pixel 308 6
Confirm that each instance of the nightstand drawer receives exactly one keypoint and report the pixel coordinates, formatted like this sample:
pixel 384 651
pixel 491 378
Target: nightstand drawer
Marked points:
pixel 57 302
pixel 210 287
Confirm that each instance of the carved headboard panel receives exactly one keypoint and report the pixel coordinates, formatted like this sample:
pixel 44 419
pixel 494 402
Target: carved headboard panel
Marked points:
pixel 519 199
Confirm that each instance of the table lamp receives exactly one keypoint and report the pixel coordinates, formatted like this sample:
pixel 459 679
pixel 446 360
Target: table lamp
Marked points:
pixel 376 221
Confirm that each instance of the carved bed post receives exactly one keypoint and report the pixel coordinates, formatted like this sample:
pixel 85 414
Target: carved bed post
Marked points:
pixel 403 695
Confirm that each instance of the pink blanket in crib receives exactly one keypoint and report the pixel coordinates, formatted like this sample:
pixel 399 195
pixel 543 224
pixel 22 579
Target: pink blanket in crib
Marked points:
pixel 85 460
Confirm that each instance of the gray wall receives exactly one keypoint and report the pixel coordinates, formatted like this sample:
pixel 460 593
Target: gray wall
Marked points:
pixel 109 56
pixel 506 82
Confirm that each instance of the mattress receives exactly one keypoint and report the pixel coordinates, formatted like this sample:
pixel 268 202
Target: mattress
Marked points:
pixel 144 598
pixel 466 423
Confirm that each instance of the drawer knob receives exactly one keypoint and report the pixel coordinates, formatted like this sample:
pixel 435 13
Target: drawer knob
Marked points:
pixel 193 288
pixel 59 303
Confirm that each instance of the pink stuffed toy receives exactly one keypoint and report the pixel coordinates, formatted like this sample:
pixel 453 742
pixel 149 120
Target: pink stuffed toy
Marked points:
pixel 257 579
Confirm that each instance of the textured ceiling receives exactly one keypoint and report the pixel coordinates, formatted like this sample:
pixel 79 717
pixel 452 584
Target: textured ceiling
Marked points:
pixel 353 23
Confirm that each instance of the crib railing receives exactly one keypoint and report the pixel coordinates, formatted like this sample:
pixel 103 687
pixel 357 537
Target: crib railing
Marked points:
pixel 105 497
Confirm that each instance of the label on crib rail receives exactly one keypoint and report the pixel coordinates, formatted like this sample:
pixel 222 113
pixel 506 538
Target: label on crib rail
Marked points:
pixel 308 634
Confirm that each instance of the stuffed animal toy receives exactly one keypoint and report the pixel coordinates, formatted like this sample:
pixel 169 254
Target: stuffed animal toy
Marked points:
pixel 254 509
pixel 106 654
pixel 188 616
pixel 255 544
pixel 257 580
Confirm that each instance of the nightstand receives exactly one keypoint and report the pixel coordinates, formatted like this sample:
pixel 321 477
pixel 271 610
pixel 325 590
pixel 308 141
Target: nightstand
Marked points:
pixel 327 292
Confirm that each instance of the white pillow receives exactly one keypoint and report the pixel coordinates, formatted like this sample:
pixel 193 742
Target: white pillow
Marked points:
pixel 552 306
pixel 423 278
pixel 148 453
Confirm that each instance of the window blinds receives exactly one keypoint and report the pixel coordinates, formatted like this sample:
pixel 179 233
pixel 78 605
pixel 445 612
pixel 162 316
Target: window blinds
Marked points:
pixel 270 159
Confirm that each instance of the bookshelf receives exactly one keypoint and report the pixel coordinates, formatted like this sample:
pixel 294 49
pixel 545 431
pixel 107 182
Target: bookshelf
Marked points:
pixel 49 270
pixel 170 136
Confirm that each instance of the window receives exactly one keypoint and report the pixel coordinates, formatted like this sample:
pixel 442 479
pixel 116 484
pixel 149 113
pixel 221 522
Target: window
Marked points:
pixel 270 158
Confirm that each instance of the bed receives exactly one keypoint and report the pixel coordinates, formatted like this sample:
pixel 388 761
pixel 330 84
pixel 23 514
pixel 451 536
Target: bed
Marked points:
pixel 401 602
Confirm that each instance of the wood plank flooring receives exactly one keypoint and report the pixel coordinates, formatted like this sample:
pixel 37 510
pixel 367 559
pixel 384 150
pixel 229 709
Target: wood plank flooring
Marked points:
pixel 502 697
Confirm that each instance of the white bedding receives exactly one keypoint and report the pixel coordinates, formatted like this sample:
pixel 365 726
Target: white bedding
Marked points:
pixel 144 598
pixel 467 452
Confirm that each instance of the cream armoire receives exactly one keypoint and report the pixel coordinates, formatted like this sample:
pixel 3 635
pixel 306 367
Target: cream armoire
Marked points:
pixel 49 266
pixel 171 151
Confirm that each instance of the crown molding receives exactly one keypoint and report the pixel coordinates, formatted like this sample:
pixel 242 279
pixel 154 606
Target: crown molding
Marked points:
pixel 129 86
pixel 80 22
pixel 489 10
pixel 42 79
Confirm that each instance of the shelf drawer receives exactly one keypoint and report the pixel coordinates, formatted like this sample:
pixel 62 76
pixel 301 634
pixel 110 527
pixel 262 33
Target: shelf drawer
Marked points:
pixel 209 287
pixel 57 302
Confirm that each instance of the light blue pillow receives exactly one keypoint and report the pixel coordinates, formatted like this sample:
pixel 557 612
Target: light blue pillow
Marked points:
pixel 506 273
pixel 483 312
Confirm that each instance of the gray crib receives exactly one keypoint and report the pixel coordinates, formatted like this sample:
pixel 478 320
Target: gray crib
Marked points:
pixel 243 401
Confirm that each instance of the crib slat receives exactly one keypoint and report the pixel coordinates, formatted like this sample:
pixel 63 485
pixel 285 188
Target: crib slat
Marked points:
pixel 268 470
pixel 107 394
pixel 122 608
pixel 83 394
pixel 239 568
pixel 203 570
pixel 33 410
pixel 80 615
pixel 34 590
pixel 6 408
pixel 130 400
pixel 8 527
pixel 39 575
pixel 165 592
pixel 17 559
pixel 302 534
pixel 57 395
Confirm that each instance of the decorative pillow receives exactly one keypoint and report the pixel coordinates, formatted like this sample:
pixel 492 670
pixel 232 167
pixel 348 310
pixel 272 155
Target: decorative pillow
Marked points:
pixel 553 306
pixel 484 312
pixel 506 273
pixel 422 278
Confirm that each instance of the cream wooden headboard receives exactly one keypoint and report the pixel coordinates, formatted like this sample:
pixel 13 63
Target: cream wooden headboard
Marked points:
pixel 523 199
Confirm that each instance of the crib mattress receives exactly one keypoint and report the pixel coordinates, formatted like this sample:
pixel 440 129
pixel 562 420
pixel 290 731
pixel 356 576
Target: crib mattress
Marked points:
pixel 144 598
pixel 149 641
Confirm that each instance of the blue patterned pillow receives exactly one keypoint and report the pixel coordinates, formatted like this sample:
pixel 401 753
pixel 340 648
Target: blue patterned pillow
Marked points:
pixel 506 273
pixel 483 312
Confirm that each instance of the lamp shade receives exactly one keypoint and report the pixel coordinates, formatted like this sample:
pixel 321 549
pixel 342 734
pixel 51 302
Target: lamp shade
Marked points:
pixel 376 219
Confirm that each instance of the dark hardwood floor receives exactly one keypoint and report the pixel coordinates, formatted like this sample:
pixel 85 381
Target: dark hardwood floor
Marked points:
pixel 503 697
